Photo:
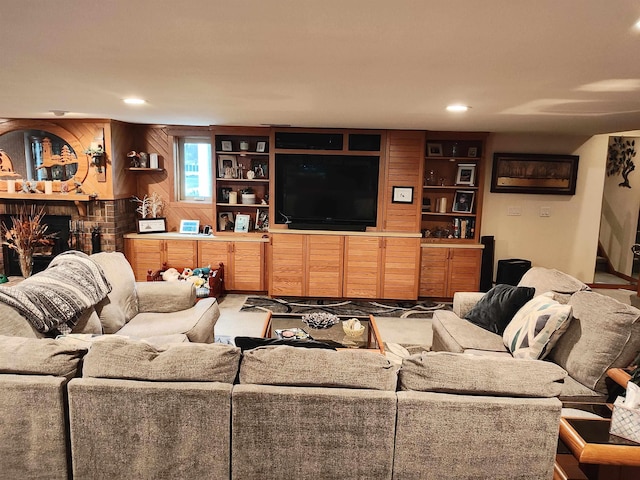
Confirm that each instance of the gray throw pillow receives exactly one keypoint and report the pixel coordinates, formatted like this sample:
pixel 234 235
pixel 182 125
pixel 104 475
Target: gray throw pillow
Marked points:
pixel 495 310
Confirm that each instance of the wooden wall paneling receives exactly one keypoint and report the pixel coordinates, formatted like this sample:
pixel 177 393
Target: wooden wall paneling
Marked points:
pixel 404 167
pixel 362 267
pixel 325 262
pixel 401 268
pixel 181 253
pixel 123 140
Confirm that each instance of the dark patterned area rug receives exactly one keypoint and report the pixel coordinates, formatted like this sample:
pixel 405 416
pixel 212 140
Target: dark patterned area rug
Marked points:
pixel 354 308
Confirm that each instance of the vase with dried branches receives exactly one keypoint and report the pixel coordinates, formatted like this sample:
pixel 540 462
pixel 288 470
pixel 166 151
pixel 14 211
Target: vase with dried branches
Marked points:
pixel 26 234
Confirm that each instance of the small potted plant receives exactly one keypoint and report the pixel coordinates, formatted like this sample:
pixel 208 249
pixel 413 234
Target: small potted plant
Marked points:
pixel 248 196
pixel 96 152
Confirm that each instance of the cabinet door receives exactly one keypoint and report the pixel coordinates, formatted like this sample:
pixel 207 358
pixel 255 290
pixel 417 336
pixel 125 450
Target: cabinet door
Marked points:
pixel 181 253
pixel 144 255
pixel 287 265
pixel 325 260
pixel 248 266
pixel 212 253
pixel 464 270
pixel 434 263
pixel 362 267
pixel 401 268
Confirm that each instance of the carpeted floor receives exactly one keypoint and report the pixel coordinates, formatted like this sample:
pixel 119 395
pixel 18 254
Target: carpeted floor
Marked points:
pixel 355 308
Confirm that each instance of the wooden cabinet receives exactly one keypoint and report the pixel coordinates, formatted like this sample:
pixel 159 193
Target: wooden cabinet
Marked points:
pixel 362 267
pixel 306 265
pixel 244 262
pixel 148 253
pixel 446 270
pixel 381 267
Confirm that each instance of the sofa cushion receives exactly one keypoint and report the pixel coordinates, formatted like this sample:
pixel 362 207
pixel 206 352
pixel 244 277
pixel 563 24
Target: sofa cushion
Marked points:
pixel 285 365
pixel 603 334
pixel 39 356
pixel 88 322
pixel 122 358
pixel 454 334
pixel 197 322
pixel 551 280
pixel 479 375
pixel 121 305
pixel 495 310
pixel 536 327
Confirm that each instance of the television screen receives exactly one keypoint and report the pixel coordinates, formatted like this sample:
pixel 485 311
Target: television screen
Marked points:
pixel 324 191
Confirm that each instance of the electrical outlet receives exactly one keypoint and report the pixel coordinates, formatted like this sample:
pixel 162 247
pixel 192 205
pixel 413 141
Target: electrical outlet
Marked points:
pixel 514 211
pixel 545 211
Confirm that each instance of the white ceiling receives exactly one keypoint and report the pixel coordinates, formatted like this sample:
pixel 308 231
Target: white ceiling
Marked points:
pixel 523 65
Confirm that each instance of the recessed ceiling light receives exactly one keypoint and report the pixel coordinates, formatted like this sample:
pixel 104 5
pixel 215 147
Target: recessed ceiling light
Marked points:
pixel 457 108
pixel 636 26
pixel 134 101
pixel 59 113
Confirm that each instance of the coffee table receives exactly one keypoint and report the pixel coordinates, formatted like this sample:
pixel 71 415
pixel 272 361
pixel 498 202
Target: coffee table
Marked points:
pixel 369 340
pixel 600 455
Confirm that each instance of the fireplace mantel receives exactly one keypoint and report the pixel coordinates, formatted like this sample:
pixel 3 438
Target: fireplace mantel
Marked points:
pixel 80 200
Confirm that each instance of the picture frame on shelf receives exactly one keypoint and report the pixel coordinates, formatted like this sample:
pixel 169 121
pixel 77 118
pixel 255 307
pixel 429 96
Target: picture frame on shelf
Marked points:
pixel 261 147
pixel 472 152
pixel 463 201
pixel 223 194
pixel 260 168
pixel 466 174
pixel 242 223
pixel 434 149
pixel 538 173
pixel 225 222
pixel 262 220
pixel 402 195
pixel 226 145
pixel 190 226
pixel 227 162
pixel 152 225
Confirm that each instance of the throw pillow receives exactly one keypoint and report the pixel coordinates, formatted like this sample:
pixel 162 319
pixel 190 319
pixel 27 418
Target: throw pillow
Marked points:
pixel 536 327
pixel 495 310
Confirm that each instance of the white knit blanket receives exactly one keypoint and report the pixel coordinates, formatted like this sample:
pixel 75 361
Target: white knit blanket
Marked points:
pixel 53 300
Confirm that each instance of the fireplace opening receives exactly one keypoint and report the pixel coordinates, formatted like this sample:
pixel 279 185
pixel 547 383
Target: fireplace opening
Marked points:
pixel 42 257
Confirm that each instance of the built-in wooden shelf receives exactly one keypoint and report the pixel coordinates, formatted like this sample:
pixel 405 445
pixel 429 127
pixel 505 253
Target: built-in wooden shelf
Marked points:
pixel 244 180
pixel 449 214
pixel 241 153
pixel 449 187
pixel 253 205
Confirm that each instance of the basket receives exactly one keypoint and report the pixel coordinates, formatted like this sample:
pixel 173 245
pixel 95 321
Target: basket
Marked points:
pixel 319 320
pixel 625 422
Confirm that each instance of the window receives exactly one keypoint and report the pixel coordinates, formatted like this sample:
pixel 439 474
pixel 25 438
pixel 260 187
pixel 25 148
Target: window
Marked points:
pixel 194 161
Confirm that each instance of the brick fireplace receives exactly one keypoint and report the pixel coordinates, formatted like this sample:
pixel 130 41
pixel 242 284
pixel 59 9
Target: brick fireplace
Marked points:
pixel 113 217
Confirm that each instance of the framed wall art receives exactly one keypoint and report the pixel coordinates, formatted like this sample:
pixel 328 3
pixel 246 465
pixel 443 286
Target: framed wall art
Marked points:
pixel 402 195
pixel 534 173
pixel 434 149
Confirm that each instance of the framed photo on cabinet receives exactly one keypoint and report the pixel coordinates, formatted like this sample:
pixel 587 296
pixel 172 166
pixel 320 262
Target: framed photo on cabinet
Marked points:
pixel 466 174
pixel 463 201
pixel 227 166
pixel 190 226
pixel 226 145
pixel 152 225
pixel 434 149
pixel 242 223
pixel 261 147
pixel 225 222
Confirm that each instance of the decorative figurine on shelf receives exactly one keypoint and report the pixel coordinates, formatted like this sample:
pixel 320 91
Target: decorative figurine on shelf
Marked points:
pixel 78 187
pixel 150 206
pixel 134 159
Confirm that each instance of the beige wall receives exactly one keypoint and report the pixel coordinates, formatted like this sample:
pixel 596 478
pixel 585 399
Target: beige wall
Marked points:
pixel 568 239
pixel 619 219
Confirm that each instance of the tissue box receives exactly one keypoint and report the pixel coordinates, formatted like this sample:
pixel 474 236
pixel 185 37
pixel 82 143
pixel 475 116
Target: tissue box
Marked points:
pixel 625 422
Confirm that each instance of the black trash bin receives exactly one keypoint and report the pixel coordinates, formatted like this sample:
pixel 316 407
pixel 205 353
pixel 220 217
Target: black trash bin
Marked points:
pixel 510 271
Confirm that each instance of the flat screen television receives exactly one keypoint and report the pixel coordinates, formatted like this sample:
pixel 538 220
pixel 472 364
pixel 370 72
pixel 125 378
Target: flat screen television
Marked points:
pixel 326 192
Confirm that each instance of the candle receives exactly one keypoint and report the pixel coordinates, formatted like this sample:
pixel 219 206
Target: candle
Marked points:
pixel 11 186
pixel 48 187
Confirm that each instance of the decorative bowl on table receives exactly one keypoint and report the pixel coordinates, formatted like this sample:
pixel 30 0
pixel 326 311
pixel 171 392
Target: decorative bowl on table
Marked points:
pixel 320 320
pixel 353 327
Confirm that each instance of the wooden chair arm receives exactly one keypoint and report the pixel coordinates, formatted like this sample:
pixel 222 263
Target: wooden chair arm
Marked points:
pixel 619 376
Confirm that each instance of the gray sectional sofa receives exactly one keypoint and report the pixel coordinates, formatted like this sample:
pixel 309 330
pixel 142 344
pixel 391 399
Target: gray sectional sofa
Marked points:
pixel 603 333
pixel 134 309
pixel 201 411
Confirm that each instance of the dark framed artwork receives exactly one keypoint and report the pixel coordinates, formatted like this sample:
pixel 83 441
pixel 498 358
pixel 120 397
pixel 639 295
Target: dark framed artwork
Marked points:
pixel 534 173
pixel 402 195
